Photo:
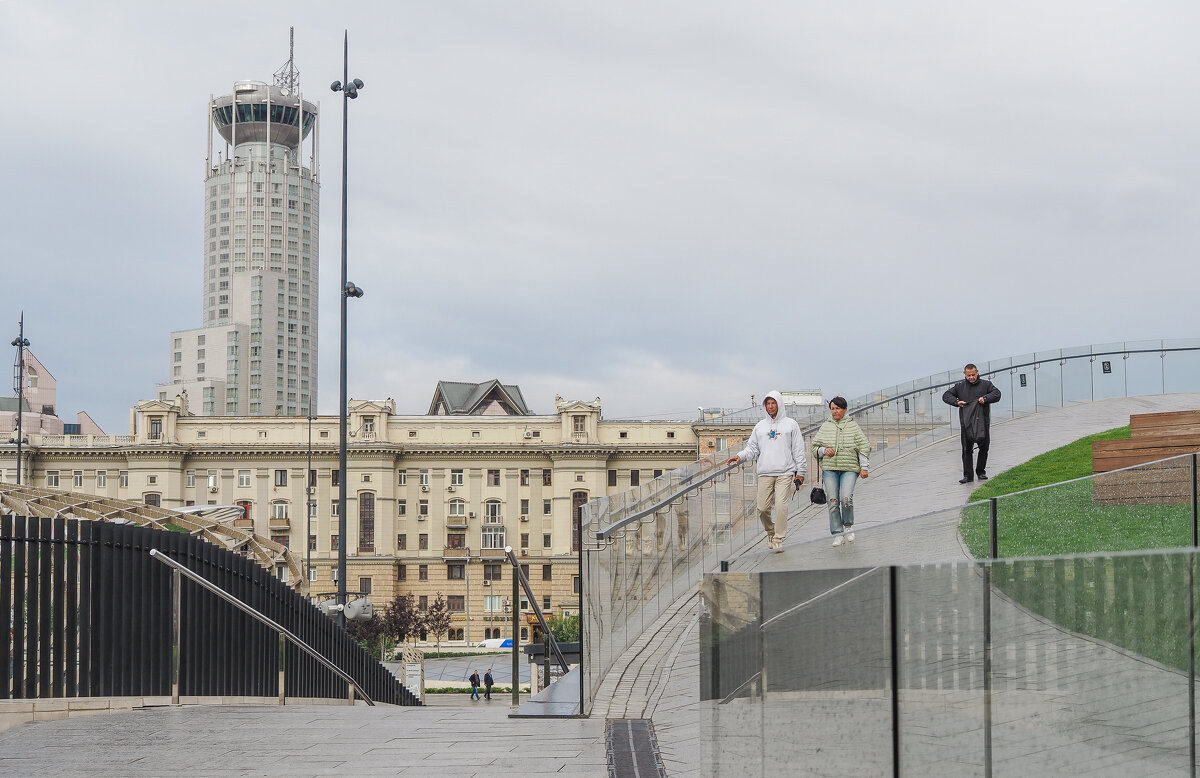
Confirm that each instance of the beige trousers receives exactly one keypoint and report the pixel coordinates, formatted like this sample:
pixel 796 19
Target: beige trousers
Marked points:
pixel 775 491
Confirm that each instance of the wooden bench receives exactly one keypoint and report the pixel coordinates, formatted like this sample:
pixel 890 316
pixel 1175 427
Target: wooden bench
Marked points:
pixel 1152 437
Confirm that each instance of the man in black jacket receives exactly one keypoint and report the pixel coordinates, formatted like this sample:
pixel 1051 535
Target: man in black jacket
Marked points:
pixel 973 396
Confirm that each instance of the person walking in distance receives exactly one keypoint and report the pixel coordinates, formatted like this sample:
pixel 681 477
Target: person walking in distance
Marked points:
pixel 488 683
pixel 475 685
pixel 973 396
pixel 841 448
pixel 778 445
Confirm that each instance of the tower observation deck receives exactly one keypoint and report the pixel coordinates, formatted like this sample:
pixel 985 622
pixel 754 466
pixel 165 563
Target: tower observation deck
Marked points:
pixel 256 351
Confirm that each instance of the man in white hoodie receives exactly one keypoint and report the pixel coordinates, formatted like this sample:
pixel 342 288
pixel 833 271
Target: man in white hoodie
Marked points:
pixel 778 445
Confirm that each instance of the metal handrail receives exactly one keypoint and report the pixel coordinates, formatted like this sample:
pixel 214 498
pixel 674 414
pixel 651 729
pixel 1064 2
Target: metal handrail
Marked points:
pixel 607 532
pixel 284 632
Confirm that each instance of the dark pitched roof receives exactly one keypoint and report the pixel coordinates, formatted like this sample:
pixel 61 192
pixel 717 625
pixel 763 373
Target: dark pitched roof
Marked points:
pixel 459 398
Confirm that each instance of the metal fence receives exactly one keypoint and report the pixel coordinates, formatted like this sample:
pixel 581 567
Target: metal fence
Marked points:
pixel 88 613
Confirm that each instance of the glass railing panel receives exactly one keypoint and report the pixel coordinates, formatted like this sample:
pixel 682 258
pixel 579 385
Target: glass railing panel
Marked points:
pixel 1050 390
pixel 1108 370
pixel 1076 376
pixel 1145 371
pixel 1182 368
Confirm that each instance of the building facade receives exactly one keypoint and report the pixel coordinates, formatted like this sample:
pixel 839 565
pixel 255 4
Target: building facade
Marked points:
pixel 432 500
pixel 256 351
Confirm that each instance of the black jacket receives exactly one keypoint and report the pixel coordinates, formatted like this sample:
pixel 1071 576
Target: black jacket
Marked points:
pixel 975 418
pixel 487 681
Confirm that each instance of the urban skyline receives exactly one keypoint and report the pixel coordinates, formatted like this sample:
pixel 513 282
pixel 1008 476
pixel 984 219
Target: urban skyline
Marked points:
pixel 640 203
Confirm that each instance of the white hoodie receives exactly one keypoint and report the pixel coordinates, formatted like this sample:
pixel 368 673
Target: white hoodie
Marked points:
pixel 776 443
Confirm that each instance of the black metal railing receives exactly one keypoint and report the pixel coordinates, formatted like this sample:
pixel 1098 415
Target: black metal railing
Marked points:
pixel 87 612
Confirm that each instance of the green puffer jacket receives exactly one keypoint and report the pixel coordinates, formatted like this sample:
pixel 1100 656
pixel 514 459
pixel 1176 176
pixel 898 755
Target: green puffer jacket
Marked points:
pixel 846 439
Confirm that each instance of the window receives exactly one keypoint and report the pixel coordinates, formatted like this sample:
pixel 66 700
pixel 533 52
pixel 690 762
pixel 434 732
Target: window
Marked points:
pixel 333 573
pixel 623 434
pixel 575 584
pixel 491 511
pixel 153 499
pixel 312 544
pixel 335 478
pixel 491 603
pixel 245 505
pixel 423 508
pixel 579 424
pixel 101 479
pixel 612 477
pixel 670 435
pixel 524 572
pixel 333 509
pixel 424 478
pixel 402 478
pixel 243 478
pixel 364 584
pixel 524 540
pixel 279 510
pixel 493 478
pixel 366 521
pixel 455 633
pixel 190 479
pixel 335 543
pixel 402 542
pixel 545 602
pixel 52 478
pixel 525 507
pixel 401 508
pixel 312 573
pixel 546 508
pixel 455 572
pixel 635 477
pixel 578 500
pixel 492 536
pixel 77 479
pixel 524 478
pixel 657 473
pixel 423 600
pixel 366 477
pixel 281 477
pixel 458 508
pixel 423 575
pixel 454 602
pixel 401 572
pixel 493 572
pixel 547 572
pixel 423 542
pixel 456 478
pixel 546 540
pixel 547 477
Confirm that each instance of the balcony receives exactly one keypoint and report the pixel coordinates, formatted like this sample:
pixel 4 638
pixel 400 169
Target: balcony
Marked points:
pixel 277 523
pixel 245 524
pixel 491 553
pixel 455 553
pixel 456 522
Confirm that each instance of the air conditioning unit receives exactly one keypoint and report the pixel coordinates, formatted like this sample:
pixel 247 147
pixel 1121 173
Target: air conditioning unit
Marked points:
pixel 421 517
pixel 212 489
pixel 487 583
pixel 528 435
pixel 524 518
pixel 424 488
pixel 524 552
pixel 449 488
pixel 471 514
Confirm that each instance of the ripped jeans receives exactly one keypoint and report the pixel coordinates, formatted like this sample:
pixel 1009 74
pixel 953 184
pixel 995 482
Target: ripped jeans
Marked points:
pixel 839 488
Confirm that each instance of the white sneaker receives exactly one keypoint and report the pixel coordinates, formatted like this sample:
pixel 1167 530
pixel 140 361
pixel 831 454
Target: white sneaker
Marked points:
pixel 778 547
pixel 837 541
pixel 849 537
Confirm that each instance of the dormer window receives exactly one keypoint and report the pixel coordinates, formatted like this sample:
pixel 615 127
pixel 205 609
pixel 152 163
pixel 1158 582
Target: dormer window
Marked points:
pixel 579 424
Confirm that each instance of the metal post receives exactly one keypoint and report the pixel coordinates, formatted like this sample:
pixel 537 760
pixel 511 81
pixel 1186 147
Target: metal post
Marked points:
pixel 1191 607
pixel 1195 505
pixel 342 397
pixel 21 343
pixel 995 542
pixel 516 636
pixel 282 669
pixel 987 668
pixel 176 604
pixel 308 502
pixel 894 615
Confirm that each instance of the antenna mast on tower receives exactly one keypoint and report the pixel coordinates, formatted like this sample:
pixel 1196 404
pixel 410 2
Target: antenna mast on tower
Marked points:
pixel 287 77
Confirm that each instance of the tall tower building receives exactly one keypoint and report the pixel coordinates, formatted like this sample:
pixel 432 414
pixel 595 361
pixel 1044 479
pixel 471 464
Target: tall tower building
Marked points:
pixel 256 353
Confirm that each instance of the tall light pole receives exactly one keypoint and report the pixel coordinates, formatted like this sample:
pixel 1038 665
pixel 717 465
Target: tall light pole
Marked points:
pixel 349 90
pixel 22 343
pixel 309 488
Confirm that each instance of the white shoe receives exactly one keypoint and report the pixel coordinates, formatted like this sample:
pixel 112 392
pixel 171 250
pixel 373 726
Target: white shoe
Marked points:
pixel 849 537
pixel 837 541
pixel 778 545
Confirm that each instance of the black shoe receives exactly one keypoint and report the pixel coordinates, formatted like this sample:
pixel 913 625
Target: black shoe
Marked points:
pixel 981 476
pixel 965 480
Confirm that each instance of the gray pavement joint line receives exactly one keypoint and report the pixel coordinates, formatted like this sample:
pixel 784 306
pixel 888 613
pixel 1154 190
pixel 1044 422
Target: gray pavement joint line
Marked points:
pixel 677 607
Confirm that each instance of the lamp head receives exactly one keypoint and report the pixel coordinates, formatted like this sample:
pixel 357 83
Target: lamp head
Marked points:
pixel 336 86
pixel 352 290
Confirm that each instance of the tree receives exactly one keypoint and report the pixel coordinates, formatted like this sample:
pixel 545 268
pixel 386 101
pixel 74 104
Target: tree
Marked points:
pixel 565 629
pixel 437 620
pixel 401 617
pixel 372 634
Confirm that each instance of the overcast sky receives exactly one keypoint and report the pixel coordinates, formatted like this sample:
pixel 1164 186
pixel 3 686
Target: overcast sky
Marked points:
pixel 666 205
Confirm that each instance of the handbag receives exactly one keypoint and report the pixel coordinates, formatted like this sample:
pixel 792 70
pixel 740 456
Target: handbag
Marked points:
pixel 816 495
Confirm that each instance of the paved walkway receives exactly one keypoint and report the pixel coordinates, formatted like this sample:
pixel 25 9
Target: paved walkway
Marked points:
pixel 657 678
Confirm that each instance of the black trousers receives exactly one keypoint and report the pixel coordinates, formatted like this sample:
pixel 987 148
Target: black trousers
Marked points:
pixel 968 446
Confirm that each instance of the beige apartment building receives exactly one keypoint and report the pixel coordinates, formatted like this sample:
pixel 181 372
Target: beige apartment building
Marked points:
pixel 432 500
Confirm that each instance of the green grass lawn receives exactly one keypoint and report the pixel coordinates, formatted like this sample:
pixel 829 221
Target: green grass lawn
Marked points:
pixel 1136 602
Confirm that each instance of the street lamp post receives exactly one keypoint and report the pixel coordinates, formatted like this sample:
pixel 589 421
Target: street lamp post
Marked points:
pixel 349 90
pixel 22 343
pixel 309 488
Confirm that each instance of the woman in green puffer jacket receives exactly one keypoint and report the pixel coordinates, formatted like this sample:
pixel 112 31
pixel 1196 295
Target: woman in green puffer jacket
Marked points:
pixel 842 448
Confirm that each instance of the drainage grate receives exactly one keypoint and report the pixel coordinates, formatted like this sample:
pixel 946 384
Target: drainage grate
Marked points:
pixel 632 749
